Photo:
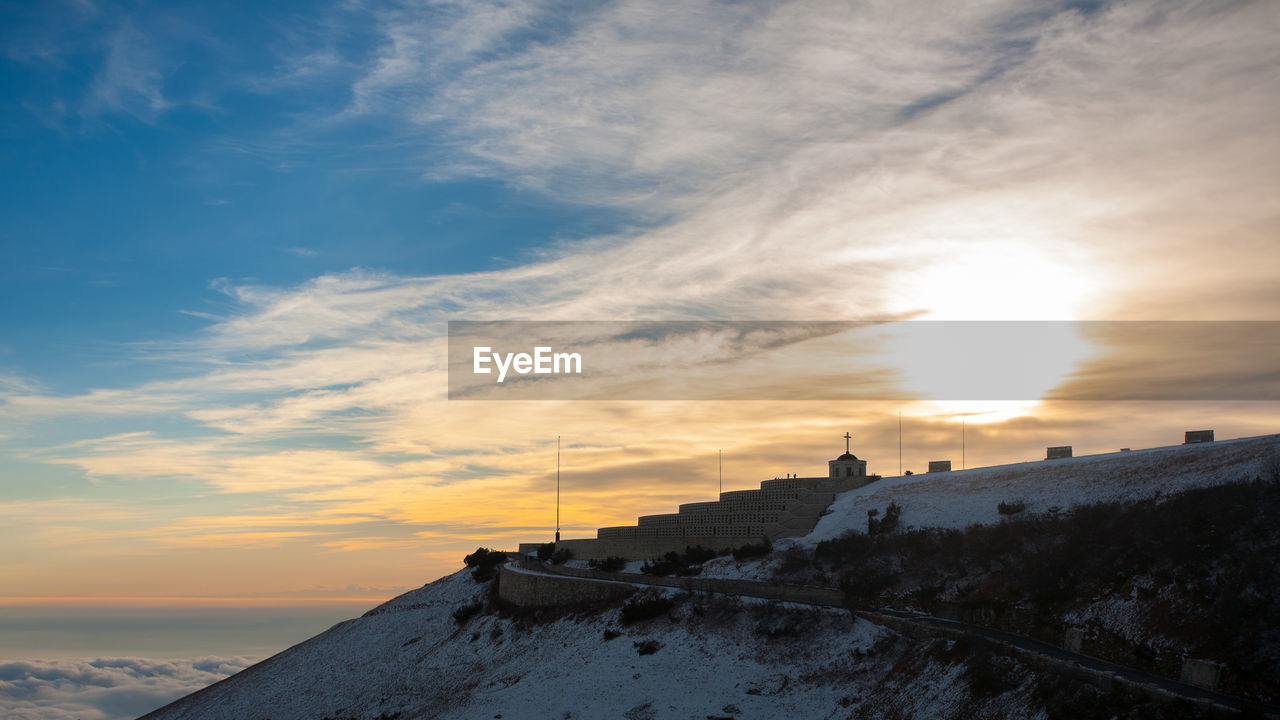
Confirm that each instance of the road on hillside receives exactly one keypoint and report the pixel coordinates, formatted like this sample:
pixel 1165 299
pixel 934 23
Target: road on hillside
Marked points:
pixel 1020 642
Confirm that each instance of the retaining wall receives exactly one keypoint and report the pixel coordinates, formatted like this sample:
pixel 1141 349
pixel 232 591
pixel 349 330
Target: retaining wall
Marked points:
pixel 533 590
pixel 647 548
pixel 575 587
pixel 748 588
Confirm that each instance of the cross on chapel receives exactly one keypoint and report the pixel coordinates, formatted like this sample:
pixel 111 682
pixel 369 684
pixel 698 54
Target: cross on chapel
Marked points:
pixel 848 464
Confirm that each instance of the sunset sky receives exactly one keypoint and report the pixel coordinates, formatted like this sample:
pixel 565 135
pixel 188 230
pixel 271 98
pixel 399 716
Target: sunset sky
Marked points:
pixel 233 235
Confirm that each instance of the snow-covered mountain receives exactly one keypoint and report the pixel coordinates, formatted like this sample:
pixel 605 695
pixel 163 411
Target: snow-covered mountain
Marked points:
pixel 960 498
pixel 410 658
pixel 709 656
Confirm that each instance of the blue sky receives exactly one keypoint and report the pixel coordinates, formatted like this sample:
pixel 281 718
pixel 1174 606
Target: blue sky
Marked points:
pixel 154 151
pixel 233 236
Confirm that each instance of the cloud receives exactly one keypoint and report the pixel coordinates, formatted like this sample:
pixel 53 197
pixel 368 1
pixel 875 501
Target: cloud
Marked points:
pixel 633 103
pixel 803 161
pixel 131 80
pixel 809 138
pixel 12 383
pixel 105 688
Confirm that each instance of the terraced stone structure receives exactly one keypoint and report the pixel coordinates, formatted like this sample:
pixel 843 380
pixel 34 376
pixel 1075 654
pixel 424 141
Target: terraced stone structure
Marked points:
pixel 781 508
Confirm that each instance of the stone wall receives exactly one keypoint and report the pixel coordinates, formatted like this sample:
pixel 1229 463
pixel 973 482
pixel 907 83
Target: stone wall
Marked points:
pixel 646 548
pixel 781 508
pixel 527 548
pixel 1201 673
pixel 1198 436
pixel 577 587
pixel 810 595
pixel 530 590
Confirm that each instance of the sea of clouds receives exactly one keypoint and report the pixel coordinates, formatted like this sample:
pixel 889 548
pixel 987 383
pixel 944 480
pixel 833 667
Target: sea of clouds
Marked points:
pixel 115 688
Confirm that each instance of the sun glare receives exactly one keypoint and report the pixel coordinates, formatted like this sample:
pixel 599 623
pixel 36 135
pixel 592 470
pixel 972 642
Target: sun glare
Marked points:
pixel 1003 280
pixel 977 412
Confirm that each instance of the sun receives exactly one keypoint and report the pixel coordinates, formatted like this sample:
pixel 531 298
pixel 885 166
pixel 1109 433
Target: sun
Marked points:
pixel 1000 280
pixel 994 331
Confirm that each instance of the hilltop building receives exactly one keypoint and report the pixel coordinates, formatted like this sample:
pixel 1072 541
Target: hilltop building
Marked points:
pixel 781 508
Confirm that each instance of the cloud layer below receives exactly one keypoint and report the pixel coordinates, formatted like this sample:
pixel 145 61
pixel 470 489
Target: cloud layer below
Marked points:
pixel 105 688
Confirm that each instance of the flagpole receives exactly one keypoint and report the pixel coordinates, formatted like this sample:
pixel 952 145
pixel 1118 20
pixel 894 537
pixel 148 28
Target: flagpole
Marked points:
pixel 557 488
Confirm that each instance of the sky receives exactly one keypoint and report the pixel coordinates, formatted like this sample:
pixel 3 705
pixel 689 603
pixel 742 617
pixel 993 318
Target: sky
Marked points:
pixel 233 236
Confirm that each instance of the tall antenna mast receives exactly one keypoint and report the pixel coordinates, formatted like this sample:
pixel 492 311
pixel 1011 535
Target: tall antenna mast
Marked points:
pixel 962 465
pixel 899 443
pixel 557 488
pixel 721 453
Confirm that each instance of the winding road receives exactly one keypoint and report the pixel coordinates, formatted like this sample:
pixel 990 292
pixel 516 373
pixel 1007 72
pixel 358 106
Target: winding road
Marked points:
pixel 828 597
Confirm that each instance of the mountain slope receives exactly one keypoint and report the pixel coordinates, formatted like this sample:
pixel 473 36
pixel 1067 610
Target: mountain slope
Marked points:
pixel 714 656
pixel 960 498
pixel 410 658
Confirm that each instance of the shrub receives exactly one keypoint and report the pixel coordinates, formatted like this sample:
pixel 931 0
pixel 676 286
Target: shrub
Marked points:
pixel 672 563
pixel 484 556
pixel 484 561
pixel 1011 508
pixel 849 546
pixel 891 515
pixel 612 563
pixel 774 622
pixel 688 563
pixel 646 647
pixel 1269 468
pixel 546 550
pixel 795 563
pixel 885 525
pixel 989 674
pixel 465 612
pixel 645 607
pixel 1209 553
pixel 561 556
pixel 753 550
pixel 666 565
pixel 610 633
pixel 696 554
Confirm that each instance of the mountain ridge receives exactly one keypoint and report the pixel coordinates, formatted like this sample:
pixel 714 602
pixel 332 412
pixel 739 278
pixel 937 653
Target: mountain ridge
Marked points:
pixel 709 656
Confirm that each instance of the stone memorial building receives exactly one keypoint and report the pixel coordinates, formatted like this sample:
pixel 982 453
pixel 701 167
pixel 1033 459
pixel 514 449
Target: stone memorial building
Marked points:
pixel 782 507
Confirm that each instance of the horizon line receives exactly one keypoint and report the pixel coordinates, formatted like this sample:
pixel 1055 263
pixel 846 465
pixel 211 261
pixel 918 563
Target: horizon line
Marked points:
pixel 118 602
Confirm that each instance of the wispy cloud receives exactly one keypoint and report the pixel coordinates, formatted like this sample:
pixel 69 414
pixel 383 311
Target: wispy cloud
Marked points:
pixel 788 161
pixel 131 80
pixel 825 132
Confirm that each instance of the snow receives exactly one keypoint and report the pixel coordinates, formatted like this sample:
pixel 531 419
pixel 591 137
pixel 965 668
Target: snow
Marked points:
pixel 409 656
pixel 961 498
